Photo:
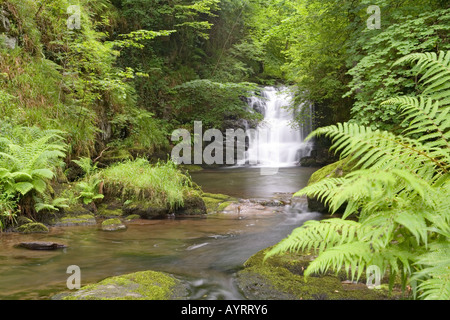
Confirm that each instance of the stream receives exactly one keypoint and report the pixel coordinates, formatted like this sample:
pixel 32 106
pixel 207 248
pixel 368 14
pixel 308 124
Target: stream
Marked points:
pixel 206 252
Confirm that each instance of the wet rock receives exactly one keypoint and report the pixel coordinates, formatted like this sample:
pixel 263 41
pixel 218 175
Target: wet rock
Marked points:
pixel 32 227
pixel 132 217
pixel 113 225
pixel 282 278
pixel 217 202
pixel 40 245
pixel 193 205
pixel 145 209
pixel 78 220
pixel 110 210
pixel 145 285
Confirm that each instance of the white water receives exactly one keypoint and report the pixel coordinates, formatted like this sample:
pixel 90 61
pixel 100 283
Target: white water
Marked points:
pixel 278 143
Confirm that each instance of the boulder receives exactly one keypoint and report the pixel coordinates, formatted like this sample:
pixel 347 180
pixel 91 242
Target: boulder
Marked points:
pixel 282 278
pixel 113 225
pixel 145 285
pixel 40 245
pixel 193 205
pixel 32 227
pixel 77 220
pixel 145 209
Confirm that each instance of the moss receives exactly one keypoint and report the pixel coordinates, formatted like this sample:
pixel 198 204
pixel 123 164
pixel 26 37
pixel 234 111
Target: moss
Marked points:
pixel 216 196
pixel 145 285
pixel 335 170
pixel 110 222
pixel 190 167
pixel 224 205
pixel 193 204
pixel 145 209
pixel 217 202
pixel 32 227
pixel 109 211
pixel 281 277
pixel 113 225
pixel 132 217
pixel 76 220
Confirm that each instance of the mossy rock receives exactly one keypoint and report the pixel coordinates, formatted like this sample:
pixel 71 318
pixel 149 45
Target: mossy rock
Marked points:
pixel 113 225
pixel 145 285
pixel 110 210
pixel 76 210
pixel 76 220
pixel 132 217
pixel 193 204
pixel 217 202
pixel 281 278
pixel 32 227
pixel 145 209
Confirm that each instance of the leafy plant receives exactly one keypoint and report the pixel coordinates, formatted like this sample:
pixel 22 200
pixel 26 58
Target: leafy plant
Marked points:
pixel 27 162
pixel 398 192
pixel 89 188
pixel 162 184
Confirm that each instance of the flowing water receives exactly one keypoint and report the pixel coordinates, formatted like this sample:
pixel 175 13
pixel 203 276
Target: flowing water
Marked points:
pixel 278 143
pixel 206 252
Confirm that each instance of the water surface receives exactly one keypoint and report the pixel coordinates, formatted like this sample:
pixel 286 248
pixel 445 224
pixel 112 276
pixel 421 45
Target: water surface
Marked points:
pixel 204 251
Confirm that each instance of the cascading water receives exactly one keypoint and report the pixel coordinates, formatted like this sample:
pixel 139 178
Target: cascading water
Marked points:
pixel 277 143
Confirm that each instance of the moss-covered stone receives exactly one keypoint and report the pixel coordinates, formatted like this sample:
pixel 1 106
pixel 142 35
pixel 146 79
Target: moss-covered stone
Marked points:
pixel 145 285
pixel 145 209
pixel 32 227
pixel 110 210
pixel 132 217
pixel 113 225
pixel 281 277
pixel 224 205
pixel 193 204
pixel 76 220
pixel 217 202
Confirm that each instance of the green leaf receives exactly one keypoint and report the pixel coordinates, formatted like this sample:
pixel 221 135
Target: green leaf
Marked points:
pixel 23 187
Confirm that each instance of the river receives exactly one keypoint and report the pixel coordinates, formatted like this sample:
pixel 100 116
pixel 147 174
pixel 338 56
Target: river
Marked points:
pixel 206 252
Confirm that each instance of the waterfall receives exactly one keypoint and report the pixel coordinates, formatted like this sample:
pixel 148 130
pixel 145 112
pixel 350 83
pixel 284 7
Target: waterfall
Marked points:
pixel 277 142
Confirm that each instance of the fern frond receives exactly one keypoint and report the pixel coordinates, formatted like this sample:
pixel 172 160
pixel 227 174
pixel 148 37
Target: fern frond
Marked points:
pixel 434 277
pixel 425 117
pixel 318 235
pixel 353 256
pixel 384 150
pixel 436 77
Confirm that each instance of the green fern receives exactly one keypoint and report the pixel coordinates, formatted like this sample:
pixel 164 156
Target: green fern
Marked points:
pixel 398 192
pixel 27 162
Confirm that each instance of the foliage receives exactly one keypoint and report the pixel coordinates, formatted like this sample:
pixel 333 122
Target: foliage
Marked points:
pixel 398 192
pixel 28 159
pixel 375 78
pixel 139 128
pixel 89 188
pixel 212 102
pixel 162 184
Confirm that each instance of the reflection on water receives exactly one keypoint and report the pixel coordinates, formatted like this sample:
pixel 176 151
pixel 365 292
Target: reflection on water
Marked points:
pixel 206 252
pixel 248 182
